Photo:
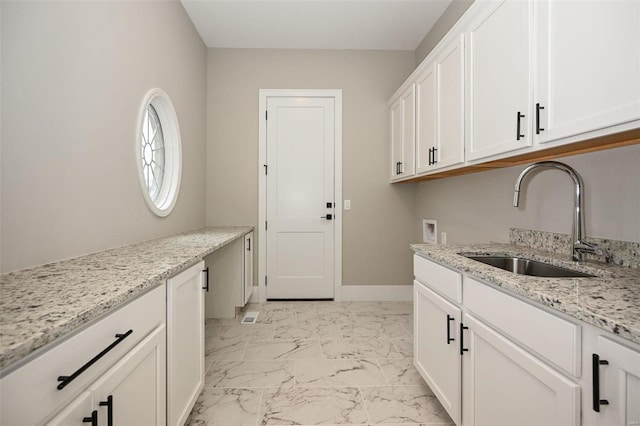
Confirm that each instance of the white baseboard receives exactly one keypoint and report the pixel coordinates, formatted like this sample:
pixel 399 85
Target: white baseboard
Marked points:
pixel 377 293
pixel 254 298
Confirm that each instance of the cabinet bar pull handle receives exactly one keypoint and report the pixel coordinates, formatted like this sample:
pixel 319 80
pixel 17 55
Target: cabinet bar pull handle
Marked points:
pixel 518 135
pixel 93 419
pixel 249 243
pixel 109 404
pixel 430 162
pixel 462 348
pixel 595 377
pixel 399 167
pixel 65 380
pixel 538 128
pixel 435 159
pixel 449 338
pixel 206 279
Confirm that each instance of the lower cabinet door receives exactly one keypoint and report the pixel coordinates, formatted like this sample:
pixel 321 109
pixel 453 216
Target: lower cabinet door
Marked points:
pixel 618 387
pixel 185 342
pixel 436 354
pixel 76 412
pixel 504 386
pixel 133 392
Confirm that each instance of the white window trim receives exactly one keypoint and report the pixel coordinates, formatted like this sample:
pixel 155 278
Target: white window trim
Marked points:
pixel 170 186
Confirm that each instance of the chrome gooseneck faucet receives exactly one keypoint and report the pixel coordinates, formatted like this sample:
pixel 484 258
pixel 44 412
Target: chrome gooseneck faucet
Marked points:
pixel 579 246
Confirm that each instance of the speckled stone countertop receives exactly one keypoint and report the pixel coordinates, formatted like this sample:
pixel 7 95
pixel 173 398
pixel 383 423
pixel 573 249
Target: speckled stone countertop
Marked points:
pixel 610 300
pixel 41 304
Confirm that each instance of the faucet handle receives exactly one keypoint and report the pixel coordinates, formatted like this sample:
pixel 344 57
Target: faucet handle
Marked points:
pixel 590 248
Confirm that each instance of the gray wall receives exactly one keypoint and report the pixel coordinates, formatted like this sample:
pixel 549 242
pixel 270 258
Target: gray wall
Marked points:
pixel 477 207
pixel 380 226
pixel 73 77
pixel 448 19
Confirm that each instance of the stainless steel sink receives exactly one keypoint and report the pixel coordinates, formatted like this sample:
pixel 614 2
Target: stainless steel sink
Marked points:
pixel 522 266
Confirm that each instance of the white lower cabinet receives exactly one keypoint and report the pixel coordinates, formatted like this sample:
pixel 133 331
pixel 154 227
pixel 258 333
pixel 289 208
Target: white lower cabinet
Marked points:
pixel 230 277
pixel 247 278
pixel 74 414
pixel 436 347
pixel 133 392
pixel 616 384
pixel 53 387
pixel 497 374
pixel 505 385
pixel 185 342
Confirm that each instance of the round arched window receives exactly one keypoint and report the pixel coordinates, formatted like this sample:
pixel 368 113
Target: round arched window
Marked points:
pixel 159 152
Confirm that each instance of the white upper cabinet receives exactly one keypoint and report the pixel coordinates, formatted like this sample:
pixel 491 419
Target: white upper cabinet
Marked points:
pixel 403 135
pixel 426 118
pixel 440 110
pixel 587 66
pixel 498 100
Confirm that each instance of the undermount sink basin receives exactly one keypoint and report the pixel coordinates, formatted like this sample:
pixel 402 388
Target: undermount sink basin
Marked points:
pixel 522 266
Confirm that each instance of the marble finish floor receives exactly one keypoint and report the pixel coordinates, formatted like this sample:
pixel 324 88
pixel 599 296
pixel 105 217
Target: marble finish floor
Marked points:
pixel 315 363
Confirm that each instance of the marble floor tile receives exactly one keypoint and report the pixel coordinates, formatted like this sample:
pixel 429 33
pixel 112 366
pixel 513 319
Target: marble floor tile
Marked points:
pixel 240 331
pixel 280 349
pixel 274 313
pixel 308 330
pixel 359 348
pixel 403 404
pixel 400 372
pixel 389 307
pixel 312 407
pixel 231 349
pixel 383 317
pixel 250 374
pixel 373 330
pixel 338 372
pixel 226 407
pixel 404 346
pixel 333 317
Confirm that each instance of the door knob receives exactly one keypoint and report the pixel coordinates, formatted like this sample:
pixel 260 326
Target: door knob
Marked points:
pixel 328 217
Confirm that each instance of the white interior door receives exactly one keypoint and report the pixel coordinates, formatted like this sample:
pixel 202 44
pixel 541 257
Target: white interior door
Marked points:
pixel 300 180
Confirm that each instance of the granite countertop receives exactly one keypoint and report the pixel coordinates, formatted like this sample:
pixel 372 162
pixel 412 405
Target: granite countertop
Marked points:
pixel 40 304
pixel 610 300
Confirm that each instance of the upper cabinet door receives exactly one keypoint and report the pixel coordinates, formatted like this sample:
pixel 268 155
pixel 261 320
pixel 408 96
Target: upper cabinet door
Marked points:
pixel 440 110
pixel 426 118
pixel 498 73
pixel 403 135
pixel 588 66
pixel 450 71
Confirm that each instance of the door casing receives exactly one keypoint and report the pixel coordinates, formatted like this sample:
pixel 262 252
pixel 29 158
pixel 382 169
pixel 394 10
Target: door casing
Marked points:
pixel 264 94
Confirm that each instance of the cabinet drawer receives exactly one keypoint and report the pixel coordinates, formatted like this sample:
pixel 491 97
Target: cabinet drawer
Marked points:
pixel 30 395
pixel 553 338
pixel 442 279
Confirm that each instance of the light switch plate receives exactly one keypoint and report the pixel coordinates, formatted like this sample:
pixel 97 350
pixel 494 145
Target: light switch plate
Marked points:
pixel 347 204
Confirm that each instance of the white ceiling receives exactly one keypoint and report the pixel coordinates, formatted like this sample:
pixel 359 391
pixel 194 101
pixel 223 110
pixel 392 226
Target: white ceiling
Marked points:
pixel 314 24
